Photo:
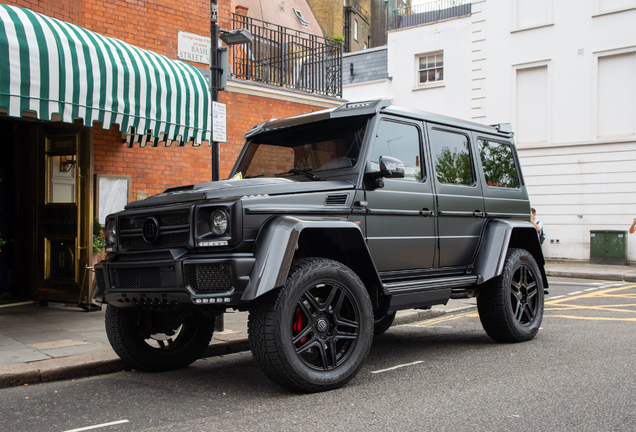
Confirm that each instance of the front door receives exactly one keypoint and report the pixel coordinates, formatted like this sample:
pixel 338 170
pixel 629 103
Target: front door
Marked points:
pixel 400 216
pixel 63 212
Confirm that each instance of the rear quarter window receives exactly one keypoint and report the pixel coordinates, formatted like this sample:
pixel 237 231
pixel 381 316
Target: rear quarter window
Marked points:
pixel 498 162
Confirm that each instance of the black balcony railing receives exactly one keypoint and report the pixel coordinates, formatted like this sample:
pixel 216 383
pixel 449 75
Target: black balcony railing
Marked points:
pixel 289 58
pixel 430 12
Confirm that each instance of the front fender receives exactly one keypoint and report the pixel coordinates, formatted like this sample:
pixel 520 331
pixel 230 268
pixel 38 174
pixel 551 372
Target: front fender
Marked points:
pixel 500 235
pixel 278 241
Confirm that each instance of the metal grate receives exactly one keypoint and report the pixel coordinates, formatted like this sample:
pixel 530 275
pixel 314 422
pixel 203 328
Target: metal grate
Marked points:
pixel 429 12
pixel 164 240
pixel 210 277
pixel 170 219
pixel 174 230
pixel 285 57
pixel 149 277
pixel 333 200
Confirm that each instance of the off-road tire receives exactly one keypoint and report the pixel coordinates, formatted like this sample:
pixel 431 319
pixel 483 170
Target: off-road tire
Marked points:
pixel 327 303
pixel 511 305
pixel 129 331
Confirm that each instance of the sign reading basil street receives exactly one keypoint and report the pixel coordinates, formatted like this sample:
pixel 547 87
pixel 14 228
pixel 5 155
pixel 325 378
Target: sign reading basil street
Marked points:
pixel 193 47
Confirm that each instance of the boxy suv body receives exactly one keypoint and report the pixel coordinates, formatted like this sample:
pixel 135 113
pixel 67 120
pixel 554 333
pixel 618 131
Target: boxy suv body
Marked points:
pixel 334 221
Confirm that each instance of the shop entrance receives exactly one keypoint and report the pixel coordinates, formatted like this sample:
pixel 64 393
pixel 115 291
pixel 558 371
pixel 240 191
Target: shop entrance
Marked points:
pixel 48 210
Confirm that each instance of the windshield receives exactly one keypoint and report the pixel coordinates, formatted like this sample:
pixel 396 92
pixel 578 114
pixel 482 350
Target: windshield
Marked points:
pixel 318 148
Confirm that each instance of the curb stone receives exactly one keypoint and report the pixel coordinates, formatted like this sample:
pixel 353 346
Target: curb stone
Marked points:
pixel 596 276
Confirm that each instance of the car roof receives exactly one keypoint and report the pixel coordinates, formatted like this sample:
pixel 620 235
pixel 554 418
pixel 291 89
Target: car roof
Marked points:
pixel 368 108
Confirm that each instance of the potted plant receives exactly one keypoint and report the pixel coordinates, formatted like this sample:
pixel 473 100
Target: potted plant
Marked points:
pixel 99 243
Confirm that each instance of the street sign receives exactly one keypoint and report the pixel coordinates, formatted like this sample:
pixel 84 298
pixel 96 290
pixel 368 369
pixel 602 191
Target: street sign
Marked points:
pixel 193 47
pixel 219 122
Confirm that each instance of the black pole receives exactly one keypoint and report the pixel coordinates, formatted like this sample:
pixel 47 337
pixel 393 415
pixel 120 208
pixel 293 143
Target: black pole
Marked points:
pixel 214 80
pixel 214 93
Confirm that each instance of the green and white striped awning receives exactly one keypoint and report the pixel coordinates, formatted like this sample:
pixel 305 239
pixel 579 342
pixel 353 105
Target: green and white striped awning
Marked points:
pixel 62 71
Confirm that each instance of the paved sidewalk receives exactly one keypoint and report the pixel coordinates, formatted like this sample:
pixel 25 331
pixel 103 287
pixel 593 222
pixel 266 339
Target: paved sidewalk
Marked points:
pixel 43 344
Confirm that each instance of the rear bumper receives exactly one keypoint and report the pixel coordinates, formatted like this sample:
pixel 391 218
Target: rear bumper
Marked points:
pixel 162 281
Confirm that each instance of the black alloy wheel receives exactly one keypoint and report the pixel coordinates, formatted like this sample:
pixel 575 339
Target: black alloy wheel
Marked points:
pixel 523 295
pixel 325 326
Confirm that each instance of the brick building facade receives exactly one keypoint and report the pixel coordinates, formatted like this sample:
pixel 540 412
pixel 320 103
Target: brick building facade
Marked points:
pixel 154 26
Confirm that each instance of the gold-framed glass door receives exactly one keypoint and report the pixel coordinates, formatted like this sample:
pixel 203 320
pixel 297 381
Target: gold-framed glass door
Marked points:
pixel 63 216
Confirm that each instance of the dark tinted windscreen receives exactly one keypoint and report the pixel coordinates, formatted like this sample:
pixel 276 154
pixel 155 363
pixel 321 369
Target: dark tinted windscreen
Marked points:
pixel 317 147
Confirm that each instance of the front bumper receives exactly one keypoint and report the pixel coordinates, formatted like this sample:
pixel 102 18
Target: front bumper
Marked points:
pixel 173 279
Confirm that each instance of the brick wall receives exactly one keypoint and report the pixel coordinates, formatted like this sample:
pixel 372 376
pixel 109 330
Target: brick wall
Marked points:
pixel 329 15
pixel 150 24
pixel 155 169
pixel 65 10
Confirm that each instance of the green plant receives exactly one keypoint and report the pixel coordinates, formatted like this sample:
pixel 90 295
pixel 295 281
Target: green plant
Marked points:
pixel 2 242
pixel 99 243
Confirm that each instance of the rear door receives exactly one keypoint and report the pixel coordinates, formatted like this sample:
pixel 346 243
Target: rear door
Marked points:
pixel 460 204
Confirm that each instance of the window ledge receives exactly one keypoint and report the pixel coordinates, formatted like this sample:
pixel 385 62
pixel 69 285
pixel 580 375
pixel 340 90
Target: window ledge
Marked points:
pixel 429 86
pixel 520 29
pixel 609 12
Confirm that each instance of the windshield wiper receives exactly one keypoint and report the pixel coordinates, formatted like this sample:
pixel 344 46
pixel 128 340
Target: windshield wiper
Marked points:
pixel 305 171
pixel 251 176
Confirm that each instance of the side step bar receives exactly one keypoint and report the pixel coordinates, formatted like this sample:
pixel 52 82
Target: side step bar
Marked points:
pixel 424 293
pixel 429 284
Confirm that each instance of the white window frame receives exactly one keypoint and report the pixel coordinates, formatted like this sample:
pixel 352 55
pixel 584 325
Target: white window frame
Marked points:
pixel 595 113
pixel 300 17
pixel 355 29
pixel 597 9
pixel 428 84
pixel 515 20
pixel 532 65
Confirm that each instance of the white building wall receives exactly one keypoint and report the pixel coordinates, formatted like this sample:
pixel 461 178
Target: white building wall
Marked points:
pixel 563 72
pixel 368 90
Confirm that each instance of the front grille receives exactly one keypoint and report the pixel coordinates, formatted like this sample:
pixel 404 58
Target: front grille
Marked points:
pixel 174 230
pixel 148 277
pixel 164 240
pixel 210 277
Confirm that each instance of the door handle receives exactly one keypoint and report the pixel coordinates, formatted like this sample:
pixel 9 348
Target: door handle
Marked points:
pixel 426 212
pixel 478 213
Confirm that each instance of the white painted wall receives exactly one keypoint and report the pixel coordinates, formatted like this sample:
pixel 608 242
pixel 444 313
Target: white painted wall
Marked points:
pixel 563 72
pixel 368 90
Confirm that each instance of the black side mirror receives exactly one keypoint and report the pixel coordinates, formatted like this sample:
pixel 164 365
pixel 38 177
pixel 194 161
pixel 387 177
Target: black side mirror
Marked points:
pixel 390 167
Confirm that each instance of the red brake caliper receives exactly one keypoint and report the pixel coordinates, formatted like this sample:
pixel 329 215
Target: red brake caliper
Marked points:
pixel 300 321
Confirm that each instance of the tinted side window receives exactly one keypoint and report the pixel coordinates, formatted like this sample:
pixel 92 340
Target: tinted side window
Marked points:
pixel 451 157
pixel 498 163
pixel 401 141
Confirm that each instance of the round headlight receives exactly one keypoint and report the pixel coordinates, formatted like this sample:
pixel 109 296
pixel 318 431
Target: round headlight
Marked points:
pixel 218 222
pixel 111 232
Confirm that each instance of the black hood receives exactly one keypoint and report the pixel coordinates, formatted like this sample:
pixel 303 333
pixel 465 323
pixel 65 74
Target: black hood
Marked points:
pixel 238 188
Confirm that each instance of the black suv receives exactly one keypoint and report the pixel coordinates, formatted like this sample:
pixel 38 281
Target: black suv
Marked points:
pixel 331 223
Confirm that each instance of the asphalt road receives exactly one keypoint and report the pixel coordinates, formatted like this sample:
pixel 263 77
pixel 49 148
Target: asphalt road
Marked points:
pixel 443 374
